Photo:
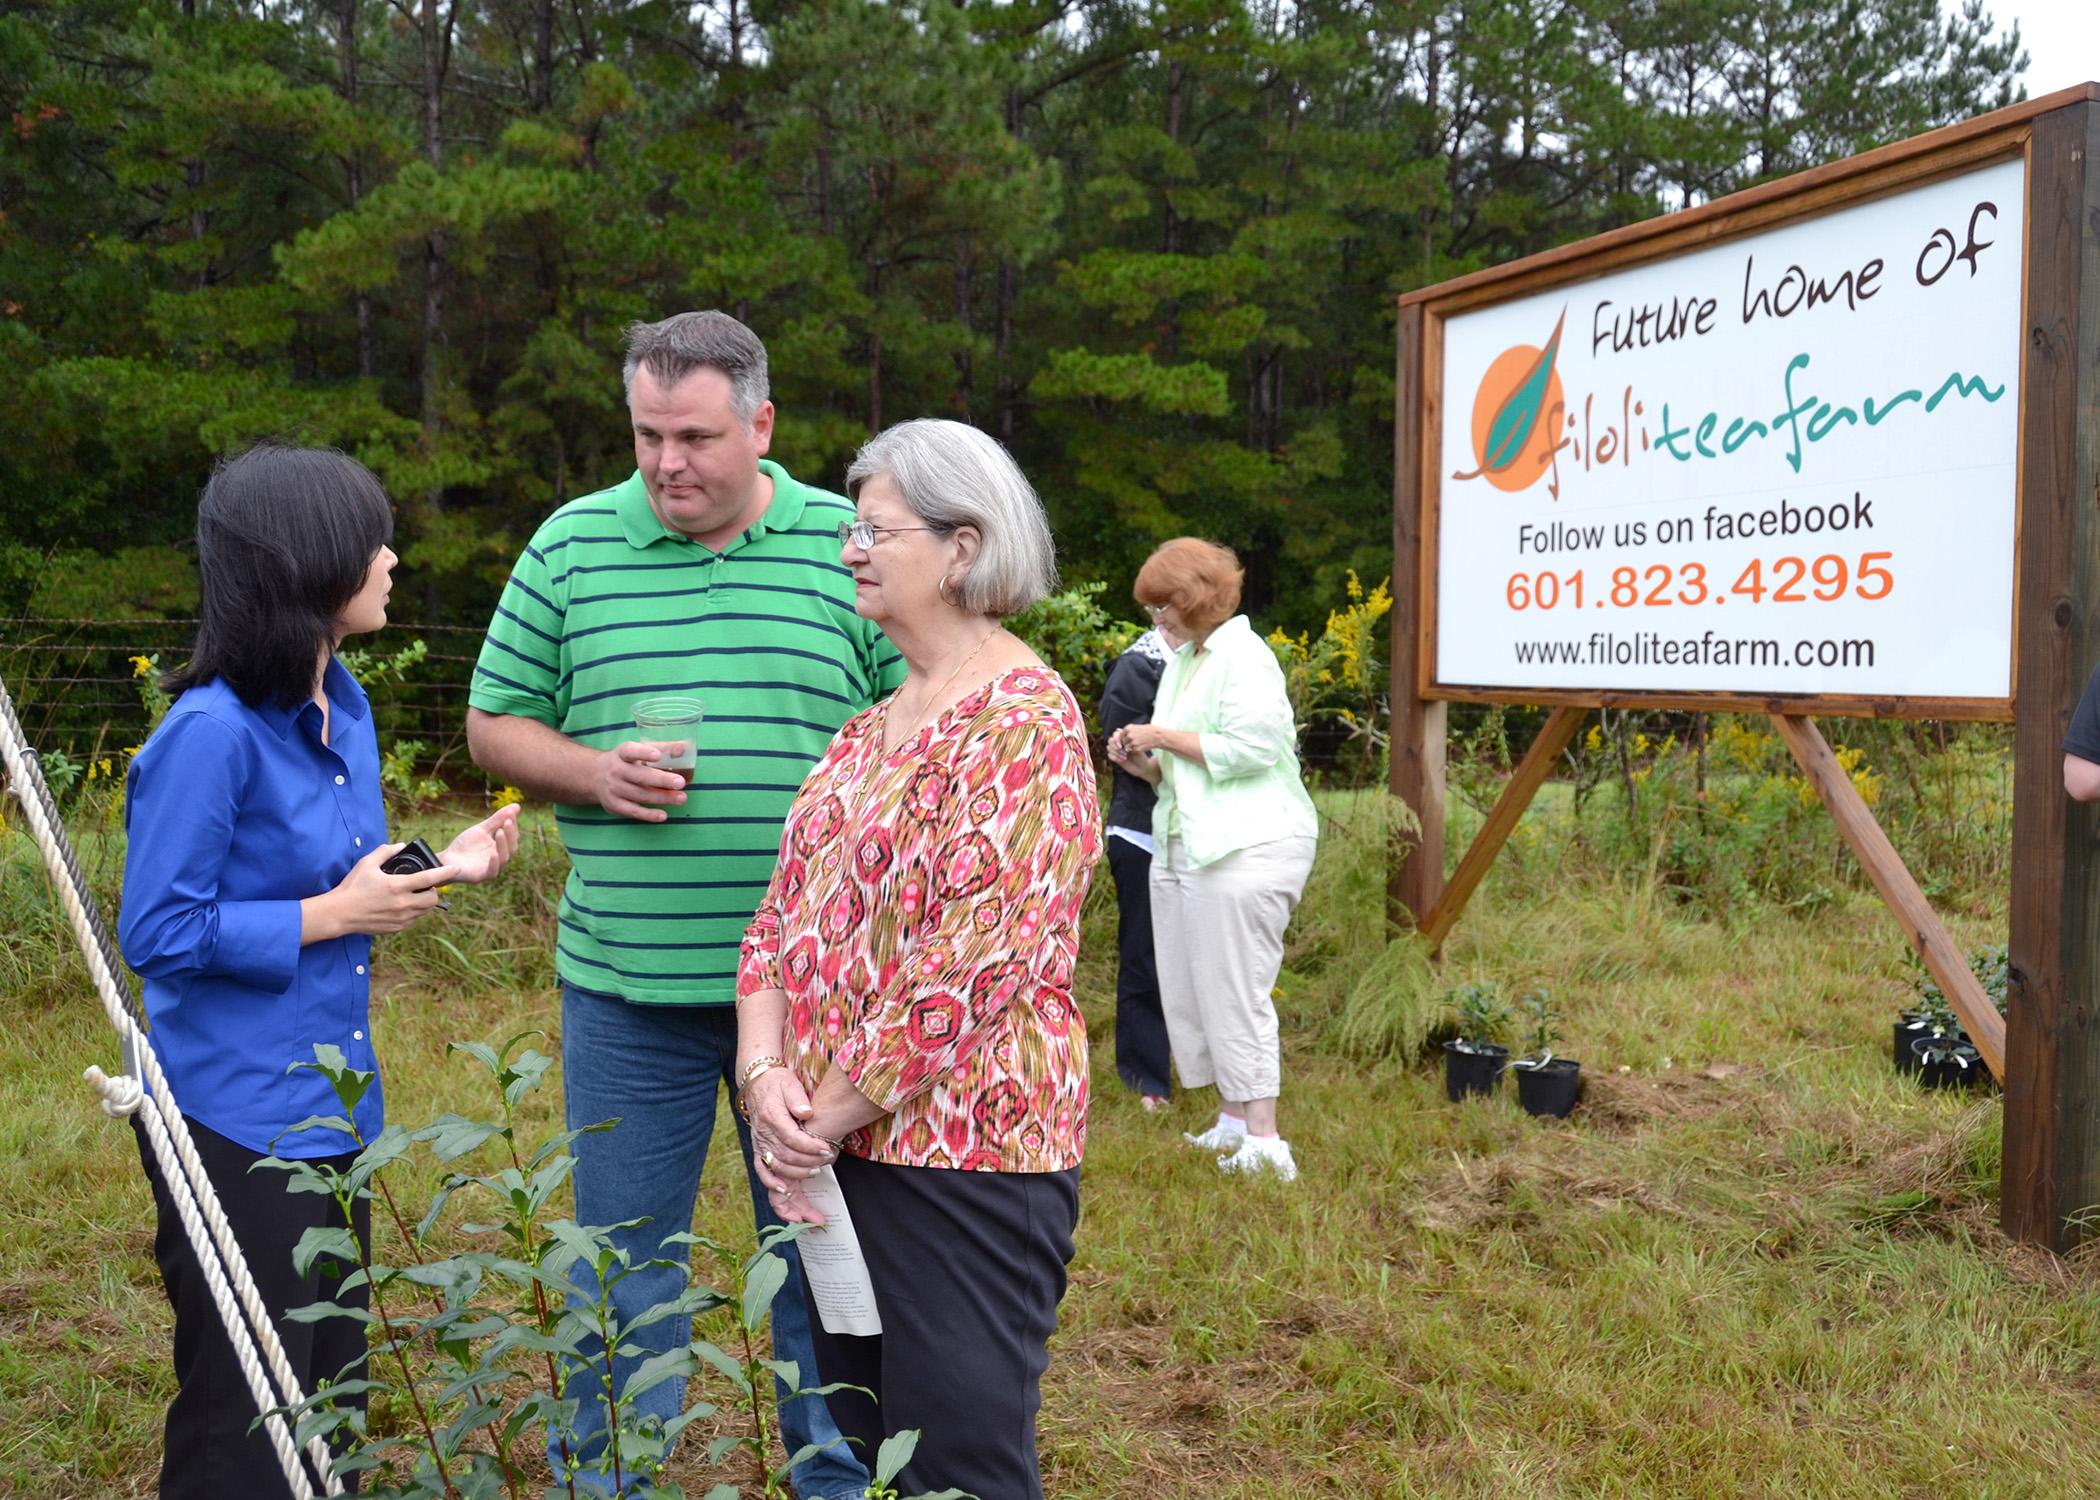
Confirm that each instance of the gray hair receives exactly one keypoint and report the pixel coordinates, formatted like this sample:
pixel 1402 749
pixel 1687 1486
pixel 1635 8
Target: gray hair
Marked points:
pixel 691 341
pixel 952 475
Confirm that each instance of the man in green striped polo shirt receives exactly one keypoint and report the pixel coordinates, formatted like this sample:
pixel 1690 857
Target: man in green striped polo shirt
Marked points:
pixel 710 574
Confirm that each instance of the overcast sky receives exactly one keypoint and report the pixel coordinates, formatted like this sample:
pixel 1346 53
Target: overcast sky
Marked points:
pixel 2062 38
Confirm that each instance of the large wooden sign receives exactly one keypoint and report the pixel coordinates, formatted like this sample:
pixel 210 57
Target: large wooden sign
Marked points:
pixel 1828 446
pixel 1782 464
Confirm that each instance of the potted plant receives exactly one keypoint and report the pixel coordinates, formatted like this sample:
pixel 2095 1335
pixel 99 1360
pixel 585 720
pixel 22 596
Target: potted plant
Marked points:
pixel 1932 1017
pixel 1474 1059
pixel 1546 1085
pixel 1948 1060
pixel 1929 1037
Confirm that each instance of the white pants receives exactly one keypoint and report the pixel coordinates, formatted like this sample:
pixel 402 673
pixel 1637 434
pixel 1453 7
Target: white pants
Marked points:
pixel 1218 933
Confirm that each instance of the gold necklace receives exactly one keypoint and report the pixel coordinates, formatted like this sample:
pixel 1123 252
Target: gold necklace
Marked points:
pixel 919 722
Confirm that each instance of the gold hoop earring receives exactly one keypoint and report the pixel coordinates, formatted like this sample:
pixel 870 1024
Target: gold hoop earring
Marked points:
pixel 941 588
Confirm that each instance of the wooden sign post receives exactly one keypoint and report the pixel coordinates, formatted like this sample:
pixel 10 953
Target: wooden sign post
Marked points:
pixel 1828 447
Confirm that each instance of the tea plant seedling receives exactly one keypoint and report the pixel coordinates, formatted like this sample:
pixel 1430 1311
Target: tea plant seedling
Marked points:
pixel 1541 1026
pixel 1483 1017
pixel 482 1349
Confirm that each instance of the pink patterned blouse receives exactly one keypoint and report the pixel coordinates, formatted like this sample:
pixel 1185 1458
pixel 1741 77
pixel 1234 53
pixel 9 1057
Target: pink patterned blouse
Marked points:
pixel 924 922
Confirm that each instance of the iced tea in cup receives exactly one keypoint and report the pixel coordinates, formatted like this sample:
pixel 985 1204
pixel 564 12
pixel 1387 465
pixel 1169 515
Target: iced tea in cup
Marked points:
pixel 673 724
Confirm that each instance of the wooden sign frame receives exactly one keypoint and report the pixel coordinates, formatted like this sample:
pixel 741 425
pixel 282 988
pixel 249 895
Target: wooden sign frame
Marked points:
pixel 2048 1047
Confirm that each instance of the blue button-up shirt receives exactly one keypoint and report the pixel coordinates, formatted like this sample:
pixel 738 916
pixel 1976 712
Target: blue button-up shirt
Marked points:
pixel 233 815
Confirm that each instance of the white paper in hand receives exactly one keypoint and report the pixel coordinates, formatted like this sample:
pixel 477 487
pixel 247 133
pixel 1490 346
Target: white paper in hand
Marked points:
pixel 833 1266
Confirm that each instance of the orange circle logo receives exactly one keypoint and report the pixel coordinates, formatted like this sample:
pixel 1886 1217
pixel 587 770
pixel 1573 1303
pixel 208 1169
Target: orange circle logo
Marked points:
pixel 1518 416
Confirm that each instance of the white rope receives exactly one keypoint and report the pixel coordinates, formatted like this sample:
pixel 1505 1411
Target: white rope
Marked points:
pixel 121 1095
pixel 160 1127
pixel 233 1290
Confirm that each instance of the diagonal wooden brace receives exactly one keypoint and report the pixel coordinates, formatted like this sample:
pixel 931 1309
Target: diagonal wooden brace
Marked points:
pixel 1921 924
pixel 1524 783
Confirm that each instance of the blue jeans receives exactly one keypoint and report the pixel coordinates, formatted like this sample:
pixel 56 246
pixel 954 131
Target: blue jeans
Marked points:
pixel 659 1070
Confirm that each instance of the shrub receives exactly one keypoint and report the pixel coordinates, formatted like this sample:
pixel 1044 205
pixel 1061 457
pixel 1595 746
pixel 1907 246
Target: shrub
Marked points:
pixel 1714 809
pixel 1077 639
pixel 478 1346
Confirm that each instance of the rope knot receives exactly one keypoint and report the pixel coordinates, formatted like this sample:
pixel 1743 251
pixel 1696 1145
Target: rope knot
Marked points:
pixel 121 1095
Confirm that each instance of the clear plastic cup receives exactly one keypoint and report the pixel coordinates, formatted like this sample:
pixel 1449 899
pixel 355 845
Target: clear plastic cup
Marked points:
pixel 673 725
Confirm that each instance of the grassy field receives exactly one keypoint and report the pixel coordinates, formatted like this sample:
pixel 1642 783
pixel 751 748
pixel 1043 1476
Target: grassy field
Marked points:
pixel 1755 1263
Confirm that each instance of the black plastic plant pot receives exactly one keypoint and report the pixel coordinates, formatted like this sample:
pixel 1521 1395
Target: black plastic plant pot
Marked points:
pixel 1551 1089
pixel 1948 1073
pixel 1908 1029
pixel 1472 1071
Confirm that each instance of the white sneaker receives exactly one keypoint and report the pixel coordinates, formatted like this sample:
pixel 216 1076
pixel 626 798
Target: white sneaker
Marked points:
pixel 1262 1153
pixel 1225 1135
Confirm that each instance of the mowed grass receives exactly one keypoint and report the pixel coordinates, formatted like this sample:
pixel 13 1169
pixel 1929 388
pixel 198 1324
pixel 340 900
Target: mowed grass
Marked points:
pixel 1754 1264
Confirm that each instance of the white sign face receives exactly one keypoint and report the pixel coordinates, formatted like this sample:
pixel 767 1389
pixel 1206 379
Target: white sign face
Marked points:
pixel 1784 464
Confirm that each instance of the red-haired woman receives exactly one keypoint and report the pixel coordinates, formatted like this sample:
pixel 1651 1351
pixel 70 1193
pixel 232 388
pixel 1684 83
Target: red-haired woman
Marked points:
pixel 1235 833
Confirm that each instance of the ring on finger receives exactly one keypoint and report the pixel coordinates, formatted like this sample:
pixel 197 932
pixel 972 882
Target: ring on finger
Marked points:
pixel 767 1159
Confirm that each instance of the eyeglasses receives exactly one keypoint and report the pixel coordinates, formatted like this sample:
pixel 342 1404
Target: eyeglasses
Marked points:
pixel 1156 610
pixel 862 534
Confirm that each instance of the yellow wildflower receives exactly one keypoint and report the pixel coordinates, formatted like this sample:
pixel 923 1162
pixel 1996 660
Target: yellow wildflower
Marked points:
pixel 1853 762
pixel 507 796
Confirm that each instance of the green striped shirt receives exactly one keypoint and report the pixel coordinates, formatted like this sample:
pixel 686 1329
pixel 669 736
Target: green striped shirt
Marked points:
pixel 607 606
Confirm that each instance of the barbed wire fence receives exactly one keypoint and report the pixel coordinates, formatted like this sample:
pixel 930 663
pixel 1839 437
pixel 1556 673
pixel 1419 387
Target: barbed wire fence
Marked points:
pixel 76 683
pixel 78 693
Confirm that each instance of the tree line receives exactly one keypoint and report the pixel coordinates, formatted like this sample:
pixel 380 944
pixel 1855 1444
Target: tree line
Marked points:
pixel 1152 245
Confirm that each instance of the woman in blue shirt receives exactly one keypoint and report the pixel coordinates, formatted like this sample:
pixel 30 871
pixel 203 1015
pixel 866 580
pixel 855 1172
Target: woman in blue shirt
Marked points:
pixel 252 892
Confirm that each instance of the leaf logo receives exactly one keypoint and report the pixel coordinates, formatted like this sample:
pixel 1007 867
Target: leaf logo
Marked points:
pixel 1518 414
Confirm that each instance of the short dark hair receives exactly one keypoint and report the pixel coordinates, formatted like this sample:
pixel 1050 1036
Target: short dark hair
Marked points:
pixel 710 340
pixel 285 537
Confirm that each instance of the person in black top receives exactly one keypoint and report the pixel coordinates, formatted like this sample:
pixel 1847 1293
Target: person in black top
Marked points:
pixel 2081 745
pixel 1142 1054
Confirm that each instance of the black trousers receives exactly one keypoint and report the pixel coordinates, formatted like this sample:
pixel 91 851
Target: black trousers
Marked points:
pixel 1142 1053
pixel 208 1452
pixel 968 1268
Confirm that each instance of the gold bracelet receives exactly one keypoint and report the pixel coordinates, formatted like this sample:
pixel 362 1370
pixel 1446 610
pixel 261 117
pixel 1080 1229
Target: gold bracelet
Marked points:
pixel 753 1071
pixel 756 1066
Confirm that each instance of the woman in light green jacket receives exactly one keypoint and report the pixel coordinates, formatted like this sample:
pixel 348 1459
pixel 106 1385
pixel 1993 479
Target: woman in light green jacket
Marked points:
pixel 1235 834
